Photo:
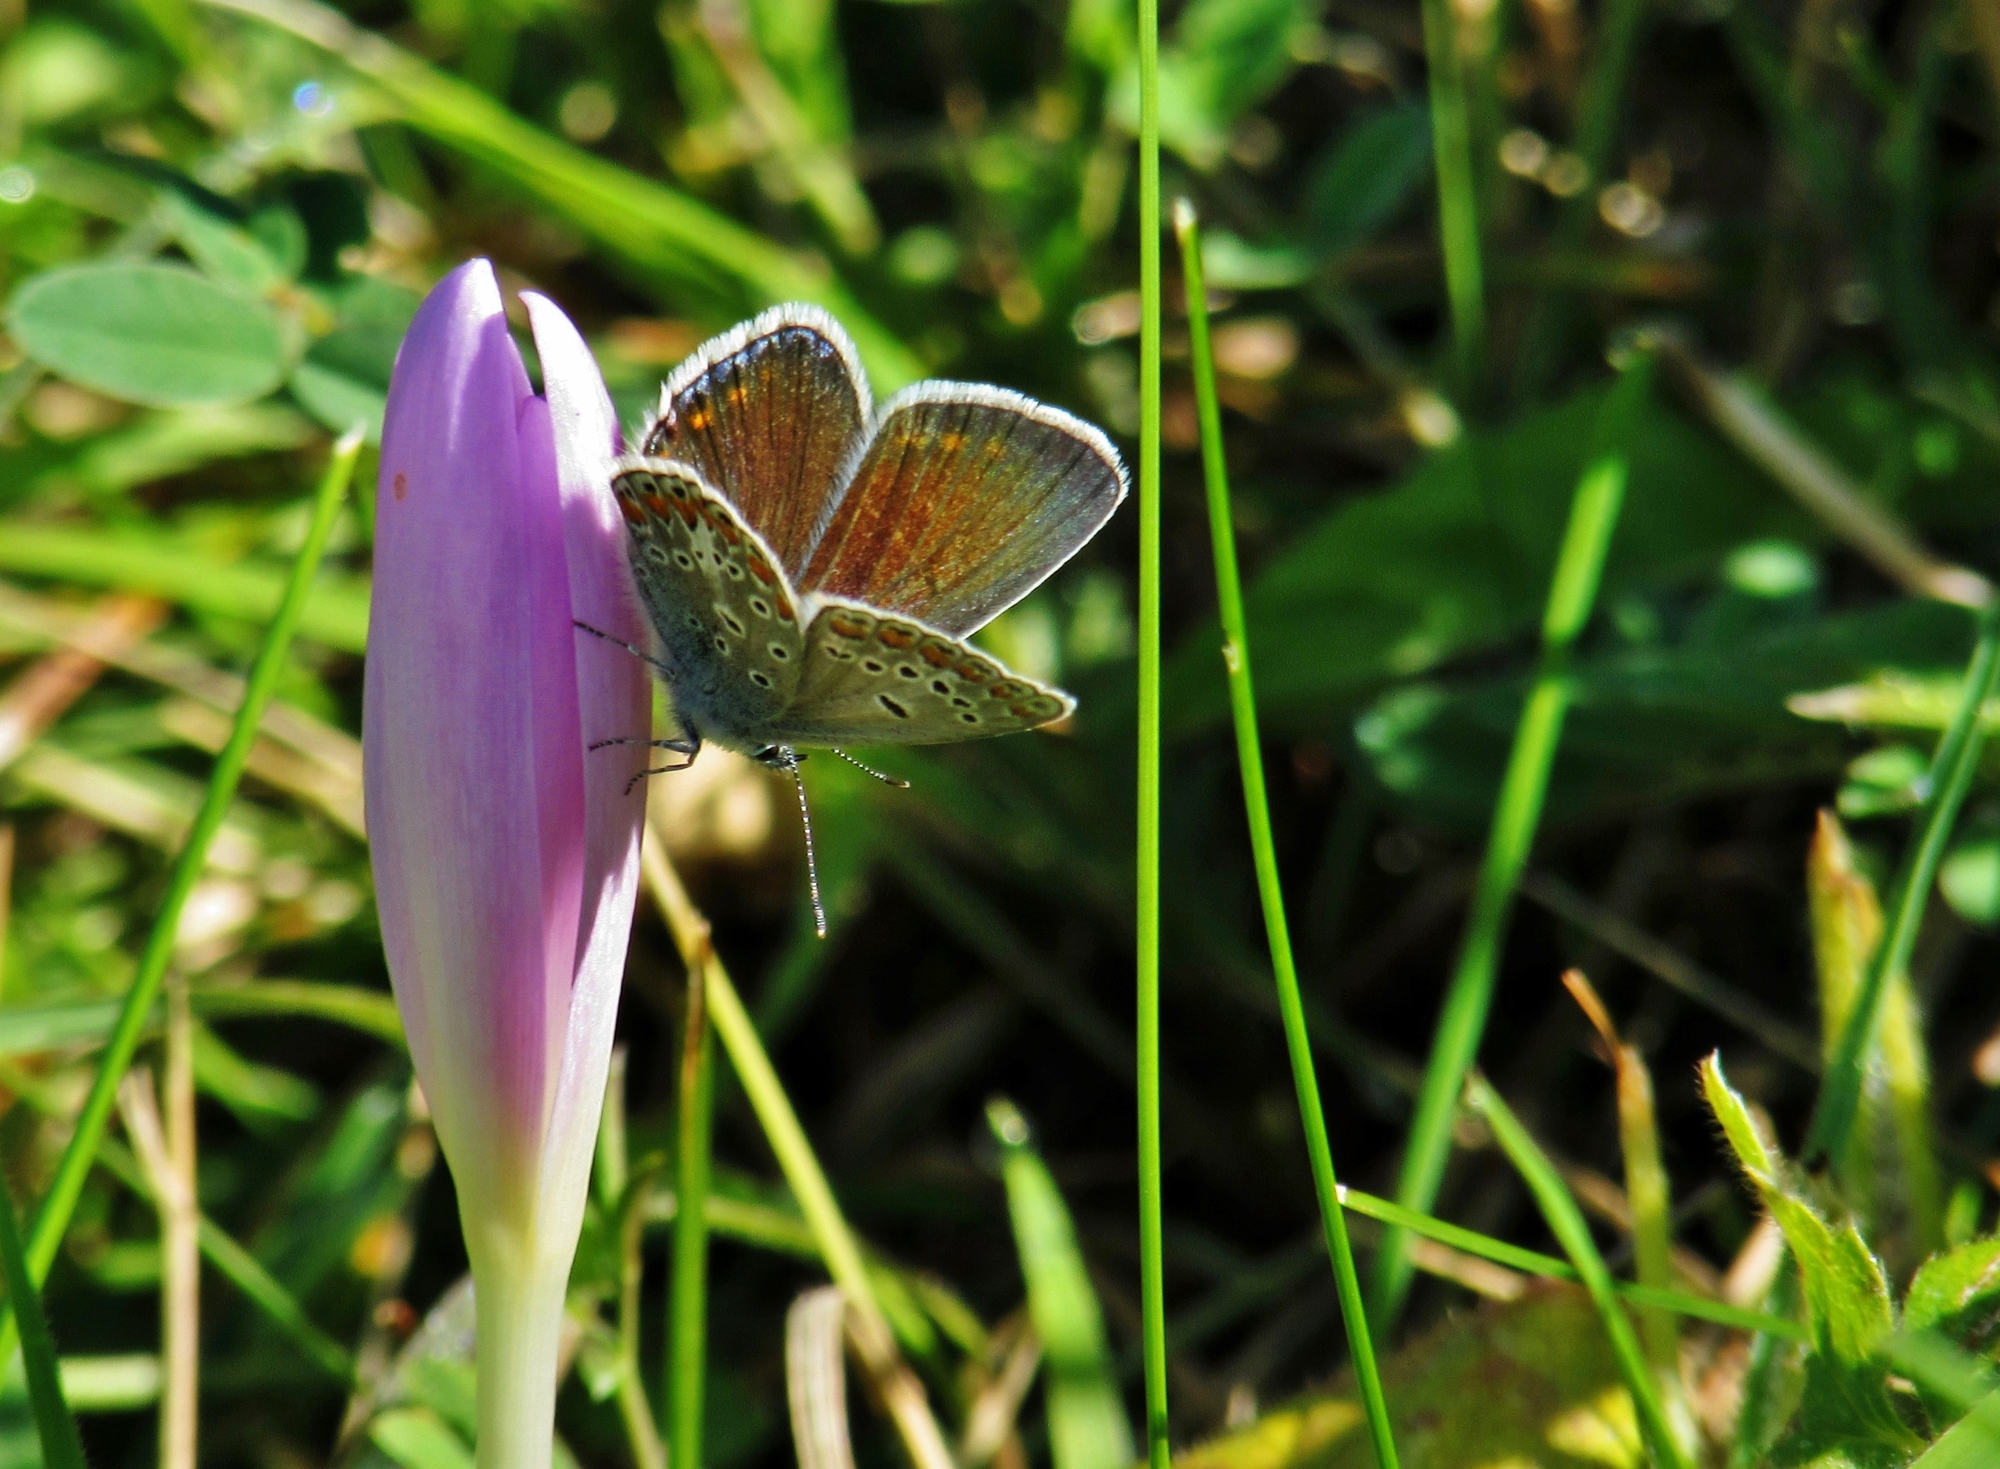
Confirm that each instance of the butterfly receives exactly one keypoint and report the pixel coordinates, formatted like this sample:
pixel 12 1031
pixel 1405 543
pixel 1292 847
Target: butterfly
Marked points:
pixel 812 569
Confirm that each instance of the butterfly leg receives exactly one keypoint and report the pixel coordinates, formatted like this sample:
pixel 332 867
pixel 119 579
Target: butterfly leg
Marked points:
pixel 689 746
pixel 640 653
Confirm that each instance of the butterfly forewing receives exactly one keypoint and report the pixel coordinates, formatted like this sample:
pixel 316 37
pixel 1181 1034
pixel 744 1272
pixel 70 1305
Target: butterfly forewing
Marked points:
pixel 871 679
pixel 771 414
pixel 727 619
pixel 964 501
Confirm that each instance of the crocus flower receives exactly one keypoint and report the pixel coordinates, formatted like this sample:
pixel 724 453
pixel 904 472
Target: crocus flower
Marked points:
pixel 506 854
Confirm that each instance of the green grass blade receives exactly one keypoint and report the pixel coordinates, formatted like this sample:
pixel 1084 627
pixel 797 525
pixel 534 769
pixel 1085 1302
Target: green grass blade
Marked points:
pixel 1152 1271
pixel 1257 810
pixel 34 1028
pixel 233 1262
pixel 1533 1262
pixel 838 1248
pixel 687 1320
pixel 1579 565
pixel 671 239
pixel 1458 190
pixel 1566 1222
pixel 1950 776
pixel 1087 1427
pixel 62 1448
pixel 74 1167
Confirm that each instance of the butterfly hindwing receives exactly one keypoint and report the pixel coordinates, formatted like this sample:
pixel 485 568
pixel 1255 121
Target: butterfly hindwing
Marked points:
pixel 725 613
pixel 874 679
pixel 965 499
pixel 770 414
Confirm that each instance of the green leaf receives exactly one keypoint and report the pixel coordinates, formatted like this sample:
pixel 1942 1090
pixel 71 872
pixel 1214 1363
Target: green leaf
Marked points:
pixel 344 376
pixel 1958 1293
pixel 1366 176
pixel 1392 584
pixel 1653 724
pixel 1526 1383
pixel 417 1438
pixel 1846 1405
pixel 1087 1426
pixel 55 69
pixel 1970 880
pixel 149 333
pixel 224 252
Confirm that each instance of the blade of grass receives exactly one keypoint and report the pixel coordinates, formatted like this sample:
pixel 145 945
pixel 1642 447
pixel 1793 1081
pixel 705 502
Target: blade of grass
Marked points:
pixel 1152 1270
pixel 33 1028
pixel 53 1218
pixel 1263 847
pixel 688 1306
pixel 62 1448
pixel 1646 1185
pixel 1948 779
pixel 1566 1222
pixel 901 1392
pixel 1458 190
pixel 234 1263
pixel 1579 565
pixel 672 240
pixel 1533 1262
pixel 1087 1426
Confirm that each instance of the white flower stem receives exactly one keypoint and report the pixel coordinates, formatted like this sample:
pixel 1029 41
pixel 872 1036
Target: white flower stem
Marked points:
pixel 518 1300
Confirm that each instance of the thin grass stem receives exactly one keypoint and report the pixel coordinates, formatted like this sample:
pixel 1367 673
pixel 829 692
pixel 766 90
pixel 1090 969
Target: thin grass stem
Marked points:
pixel 1949 778
pixel 74 1168
pixel 1566 1222
pixel 1458 190
pixel 1263 846
pixel 62 1448
pixel 1152 1270
pixel 899 1389
pixel 688 1306
pixel 1533 1262
pixel 231 1261
pixel 1579 567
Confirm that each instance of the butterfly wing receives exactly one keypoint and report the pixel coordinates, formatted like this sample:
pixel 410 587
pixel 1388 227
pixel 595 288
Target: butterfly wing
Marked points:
pixel 873 679
pixel 726 615
pixel 964 501
pixel 771 414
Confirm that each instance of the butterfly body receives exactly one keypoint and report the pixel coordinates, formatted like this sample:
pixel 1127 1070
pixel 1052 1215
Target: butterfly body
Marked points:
pixel 812 572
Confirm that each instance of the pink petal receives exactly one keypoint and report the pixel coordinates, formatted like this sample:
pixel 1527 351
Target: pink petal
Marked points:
pixel 615 699
pixel 474 770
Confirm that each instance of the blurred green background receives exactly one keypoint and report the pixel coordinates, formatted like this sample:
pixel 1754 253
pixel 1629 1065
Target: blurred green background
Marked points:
pixel 216 220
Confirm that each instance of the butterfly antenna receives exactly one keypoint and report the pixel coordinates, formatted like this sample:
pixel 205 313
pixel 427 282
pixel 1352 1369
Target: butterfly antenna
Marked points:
pixel 812 862
pixel 887 780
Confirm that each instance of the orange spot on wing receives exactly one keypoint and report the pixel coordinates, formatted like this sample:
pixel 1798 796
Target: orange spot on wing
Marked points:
pixel 897 637
pixel 631 511
pixel 847 627
pixel 972 671
pixel 937 654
